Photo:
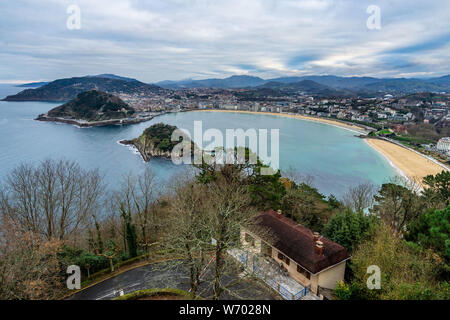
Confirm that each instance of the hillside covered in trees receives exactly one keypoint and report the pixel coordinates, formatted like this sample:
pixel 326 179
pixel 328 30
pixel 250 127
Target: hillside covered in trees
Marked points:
pixel 93 106
pixel 67 89
pixel 403 231
pixel 156 141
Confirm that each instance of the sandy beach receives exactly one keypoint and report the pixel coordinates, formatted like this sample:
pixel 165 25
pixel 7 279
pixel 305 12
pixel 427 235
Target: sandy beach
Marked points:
pixel 302 117
pixel 411 164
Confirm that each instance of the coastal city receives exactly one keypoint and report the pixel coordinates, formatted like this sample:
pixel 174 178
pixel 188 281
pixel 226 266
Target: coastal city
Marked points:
pixel 420 120
pixel 225 159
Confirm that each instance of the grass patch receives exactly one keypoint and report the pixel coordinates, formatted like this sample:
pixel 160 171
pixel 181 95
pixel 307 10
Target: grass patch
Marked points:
pixel 155 292
pixel 412 140
pixel 384 132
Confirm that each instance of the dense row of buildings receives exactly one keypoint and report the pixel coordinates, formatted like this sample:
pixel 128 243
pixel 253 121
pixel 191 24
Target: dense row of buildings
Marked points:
pixel 395 113
pixel 387 109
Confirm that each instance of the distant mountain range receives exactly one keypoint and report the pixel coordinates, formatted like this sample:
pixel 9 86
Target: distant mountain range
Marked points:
pixel 231 82
pixel 227 83
pixel 305 86
pixel 67 89
pixel 354 84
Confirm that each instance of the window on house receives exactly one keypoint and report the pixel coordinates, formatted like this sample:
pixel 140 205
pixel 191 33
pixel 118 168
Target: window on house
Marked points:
pixel 283 258
pixel 303 272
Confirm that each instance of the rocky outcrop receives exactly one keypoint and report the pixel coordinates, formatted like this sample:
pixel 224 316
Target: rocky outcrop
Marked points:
pixel 156 142
pixel 85 124
pixel 147 151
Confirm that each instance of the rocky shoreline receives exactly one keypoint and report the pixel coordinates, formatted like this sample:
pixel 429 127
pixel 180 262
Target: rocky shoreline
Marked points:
pixel 147 155
pixel 88 124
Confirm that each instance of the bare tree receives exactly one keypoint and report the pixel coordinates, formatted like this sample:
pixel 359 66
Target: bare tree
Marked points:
pixel 144 198
pixel 29 265
pixel 186 235
pixel 229 211
pixel 412 183
pixel 297 177
pixel 205 222
pixel 53 199
pixel 360 197
pixel 138 198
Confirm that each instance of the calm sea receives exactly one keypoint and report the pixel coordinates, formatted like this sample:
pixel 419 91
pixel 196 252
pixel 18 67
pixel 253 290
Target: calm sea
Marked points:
pixel 333 156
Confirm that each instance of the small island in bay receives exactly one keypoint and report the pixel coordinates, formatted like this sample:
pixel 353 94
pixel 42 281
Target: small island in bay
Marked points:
pixel 156 141
pixel 94 108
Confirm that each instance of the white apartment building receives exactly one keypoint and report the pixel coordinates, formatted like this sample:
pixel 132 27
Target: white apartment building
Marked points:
pixel 444 145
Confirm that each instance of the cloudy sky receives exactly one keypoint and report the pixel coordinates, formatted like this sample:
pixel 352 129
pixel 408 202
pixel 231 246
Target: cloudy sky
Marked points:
pixel 157 40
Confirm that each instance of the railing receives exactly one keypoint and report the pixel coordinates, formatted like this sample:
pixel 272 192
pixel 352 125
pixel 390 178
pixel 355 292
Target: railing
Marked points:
pixel 243 258
pixel 252 262
pixel 285 293
pixel 280 289
pixel 301 294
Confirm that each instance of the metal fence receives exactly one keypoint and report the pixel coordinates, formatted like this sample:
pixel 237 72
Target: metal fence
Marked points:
pixel 243 258
pixel 280 289
pixel 301 294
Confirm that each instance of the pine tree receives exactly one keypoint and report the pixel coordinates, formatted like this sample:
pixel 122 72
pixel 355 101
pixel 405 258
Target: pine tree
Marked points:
pixel 100 246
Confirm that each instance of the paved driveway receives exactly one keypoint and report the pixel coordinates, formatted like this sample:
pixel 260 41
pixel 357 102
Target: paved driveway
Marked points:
pixel 173 275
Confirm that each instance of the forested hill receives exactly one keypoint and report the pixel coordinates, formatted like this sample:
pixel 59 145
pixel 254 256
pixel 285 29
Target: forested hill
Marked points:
pixel 93 106
pixel 156 141
pixel 68 89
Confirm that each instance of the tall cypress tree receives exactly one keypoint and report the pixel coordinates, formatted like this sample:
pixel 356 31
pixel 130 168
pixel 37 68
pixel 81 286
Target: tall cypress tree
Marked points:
pixel 99 236
pixel 131 239
pixel 130 232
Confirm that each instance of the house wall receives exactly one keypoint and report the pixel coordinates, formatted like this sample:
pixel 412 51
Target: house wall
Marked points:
pixel 326 279
pixel 329 278
pixel 292 269
pixel 314 283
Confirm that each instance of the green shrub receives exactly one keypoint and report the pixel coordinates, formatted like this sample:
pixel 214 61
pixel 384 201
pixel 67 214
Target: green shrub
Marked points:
pixel 342 291
pixel 155 292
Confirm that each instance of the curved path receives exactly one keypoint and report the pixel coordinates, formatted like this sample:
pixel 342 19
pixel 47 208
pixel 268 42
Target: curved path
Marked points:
pixel 169 275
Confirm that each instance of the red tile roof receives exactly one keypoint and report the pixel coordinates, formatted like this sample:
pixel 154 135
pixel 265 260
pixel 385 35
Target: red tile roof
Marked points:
pixel 297 242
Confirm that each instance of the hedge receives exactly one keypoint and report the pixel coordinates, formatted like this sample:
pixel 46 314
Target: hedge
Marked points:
pixel 136 295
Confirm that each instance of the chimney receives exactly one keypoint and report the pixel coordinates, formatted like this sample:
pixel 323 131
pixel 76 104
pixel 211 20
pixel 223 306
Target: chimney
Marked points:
pixel 316 237
pixel 319 247
pixel 279 214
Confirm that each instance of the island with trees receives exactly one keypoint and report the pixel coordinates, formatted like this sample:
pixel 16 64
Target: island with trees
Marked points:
pixel 156 141
pixel 93 108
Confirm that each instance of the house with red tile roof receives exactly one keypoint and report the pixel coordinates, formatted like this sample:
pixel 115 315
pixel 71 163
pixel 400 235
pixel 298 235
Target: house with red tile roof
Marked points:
pixel 310 259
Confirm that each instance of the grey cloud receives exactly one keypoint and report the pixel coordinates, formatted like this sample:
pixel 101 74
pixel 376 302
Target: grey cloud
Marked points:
pixel 174 39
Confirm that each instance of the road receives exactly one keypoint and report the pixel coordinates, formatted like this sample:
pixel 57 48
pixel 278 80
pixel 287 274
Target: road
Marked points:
pixel 171 275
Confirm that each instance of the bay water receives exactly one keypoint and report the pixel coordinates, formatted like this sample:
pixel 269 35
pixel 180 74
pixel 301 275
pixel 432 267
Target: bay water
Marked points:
pixel 333 156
